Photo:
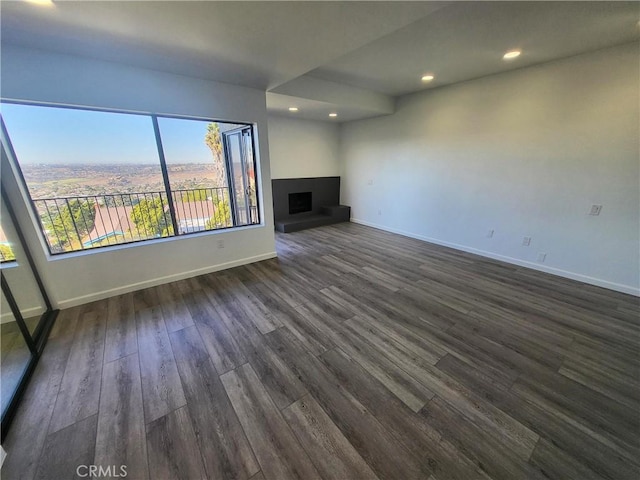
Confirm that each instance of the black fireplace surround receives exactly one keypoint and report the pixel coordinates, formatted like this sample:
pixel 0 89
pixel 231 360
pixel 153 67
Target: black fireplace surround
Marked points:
pixel 300 203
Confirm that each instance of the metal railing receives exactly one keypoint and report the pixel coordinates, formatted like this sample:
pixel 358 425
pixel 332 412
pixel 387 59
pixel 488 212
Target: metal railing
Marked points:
pixel 84 222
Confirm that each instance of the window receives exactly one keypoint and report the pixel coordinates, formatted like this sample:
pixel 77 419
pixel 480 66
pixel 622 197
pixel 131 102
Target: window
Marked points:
pixel 99 178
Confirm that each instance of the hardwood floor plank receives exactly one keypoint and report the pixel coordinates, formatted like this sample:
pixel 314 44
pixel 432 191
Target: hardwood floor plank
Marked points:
pixel 121 437
pixel 161 387
pixel 222 347
pixel 276 376
pixel 500 353
pixel 121 337
pixel 566 435
pixel 538 351
pixel 172 292
pixel 397 380
pixel 79 393
pixel 173 449
pixel 624 442
pixel 253 310
pixel 290 317
pixel 387 458
pixel 315 327
pixel 457 395
pixel 329 450
pixel 555 464
pixel 278 451
pixel 428 351
pixel 225 450
pixel 580 400
pixel 176 315
pixel 622 389
pixel 409 429
pixel 67 449
pixel 146 298
pixel 402 384
pixel 539 328
pixel 270 274
pixel 462 350
pixel 479 443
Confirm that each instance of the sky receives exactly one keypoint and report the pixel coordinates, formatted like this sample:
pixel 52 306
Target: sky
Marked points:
pixel 48 135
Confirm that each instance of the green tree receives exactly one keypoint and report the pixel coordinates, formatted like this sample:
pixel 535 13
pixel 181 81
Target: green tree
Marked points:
pixel 221 216
pixel 213 140
pixel 151 218
pixel 194 196
pixel 71 222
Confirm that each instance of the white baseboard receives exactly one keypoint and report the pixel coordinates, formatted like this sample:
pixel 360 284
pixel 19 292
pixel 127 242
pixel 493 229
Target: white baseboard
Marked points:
pixel 73 302
pixel 515 261
pixel 7 317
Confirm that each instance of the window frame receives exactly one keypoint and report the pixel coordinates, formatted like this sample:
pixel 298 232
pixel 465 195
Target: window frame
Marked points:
pixel 37 221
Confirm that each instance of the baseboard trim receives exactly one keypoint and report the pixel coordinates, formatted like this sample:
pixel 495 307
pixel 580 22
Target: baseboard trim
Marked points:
pixel 74 302
pixel 8 317
pixel 514 261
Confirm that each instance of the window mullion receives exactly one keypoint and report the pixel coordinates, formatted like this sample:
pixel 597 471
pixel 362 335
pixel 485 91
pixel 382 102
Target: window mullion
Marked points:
pixel 165 175
pixel 229 169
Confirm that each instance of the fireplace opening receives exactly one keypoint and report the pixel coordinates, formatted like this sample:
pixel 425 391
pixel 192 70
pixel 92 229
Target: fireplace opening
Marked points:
pixel 299 202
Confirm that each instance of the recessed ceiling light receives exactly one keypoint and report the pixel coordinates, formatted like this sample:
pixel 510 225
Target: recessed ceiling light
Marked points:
pixel 293 109
pixel 427 78
pixel 333 114
pixel 42 3
pixel 511 54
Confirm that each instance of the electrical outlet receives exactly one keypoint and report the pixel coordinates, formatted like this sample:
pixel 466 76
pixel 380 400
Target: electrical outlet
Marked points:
pixel 221 243
pixel 490 234
pixel 595 210
pixel 379 212
pixel 542 257
pixel 526 241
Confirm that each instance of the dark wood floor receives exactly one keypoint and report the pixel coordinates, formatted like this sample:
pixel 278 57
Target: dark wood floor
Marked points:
pixel 357 354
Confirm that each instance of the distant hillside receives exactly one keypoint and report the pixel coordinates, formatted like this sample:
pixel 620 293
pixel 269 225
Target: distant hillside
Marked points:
pixel 48 181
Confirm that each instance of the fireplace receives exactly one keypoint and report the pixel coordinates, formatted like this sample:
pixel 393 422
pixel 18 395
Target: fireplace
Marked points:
pixel 299 202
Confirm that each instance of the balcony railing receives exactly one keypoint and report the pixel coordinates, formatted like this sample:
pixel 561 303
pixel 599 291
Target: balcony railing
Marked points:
pixel 89 221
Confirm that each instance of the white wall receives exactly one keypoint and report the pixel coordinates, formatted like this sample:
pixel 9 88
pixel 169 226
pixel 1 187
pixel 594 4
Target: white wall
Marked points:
pixel 524 153
pixel 60 79
pixel 303 148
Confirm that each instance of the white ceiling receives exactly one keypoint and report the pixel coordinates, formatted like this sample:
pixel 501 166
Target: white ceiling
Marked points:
pixel 467 40
pixel 349 57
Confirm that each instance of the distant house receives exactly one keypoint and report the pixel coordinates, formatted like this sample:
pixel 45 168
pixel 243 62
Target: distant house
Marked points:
pixel 114 223
pixel 110 223
pixel 193 216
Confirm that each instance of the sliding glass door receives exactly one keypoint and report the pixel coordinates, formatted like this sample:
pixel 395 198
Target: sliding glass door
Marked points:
pixel 26 315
